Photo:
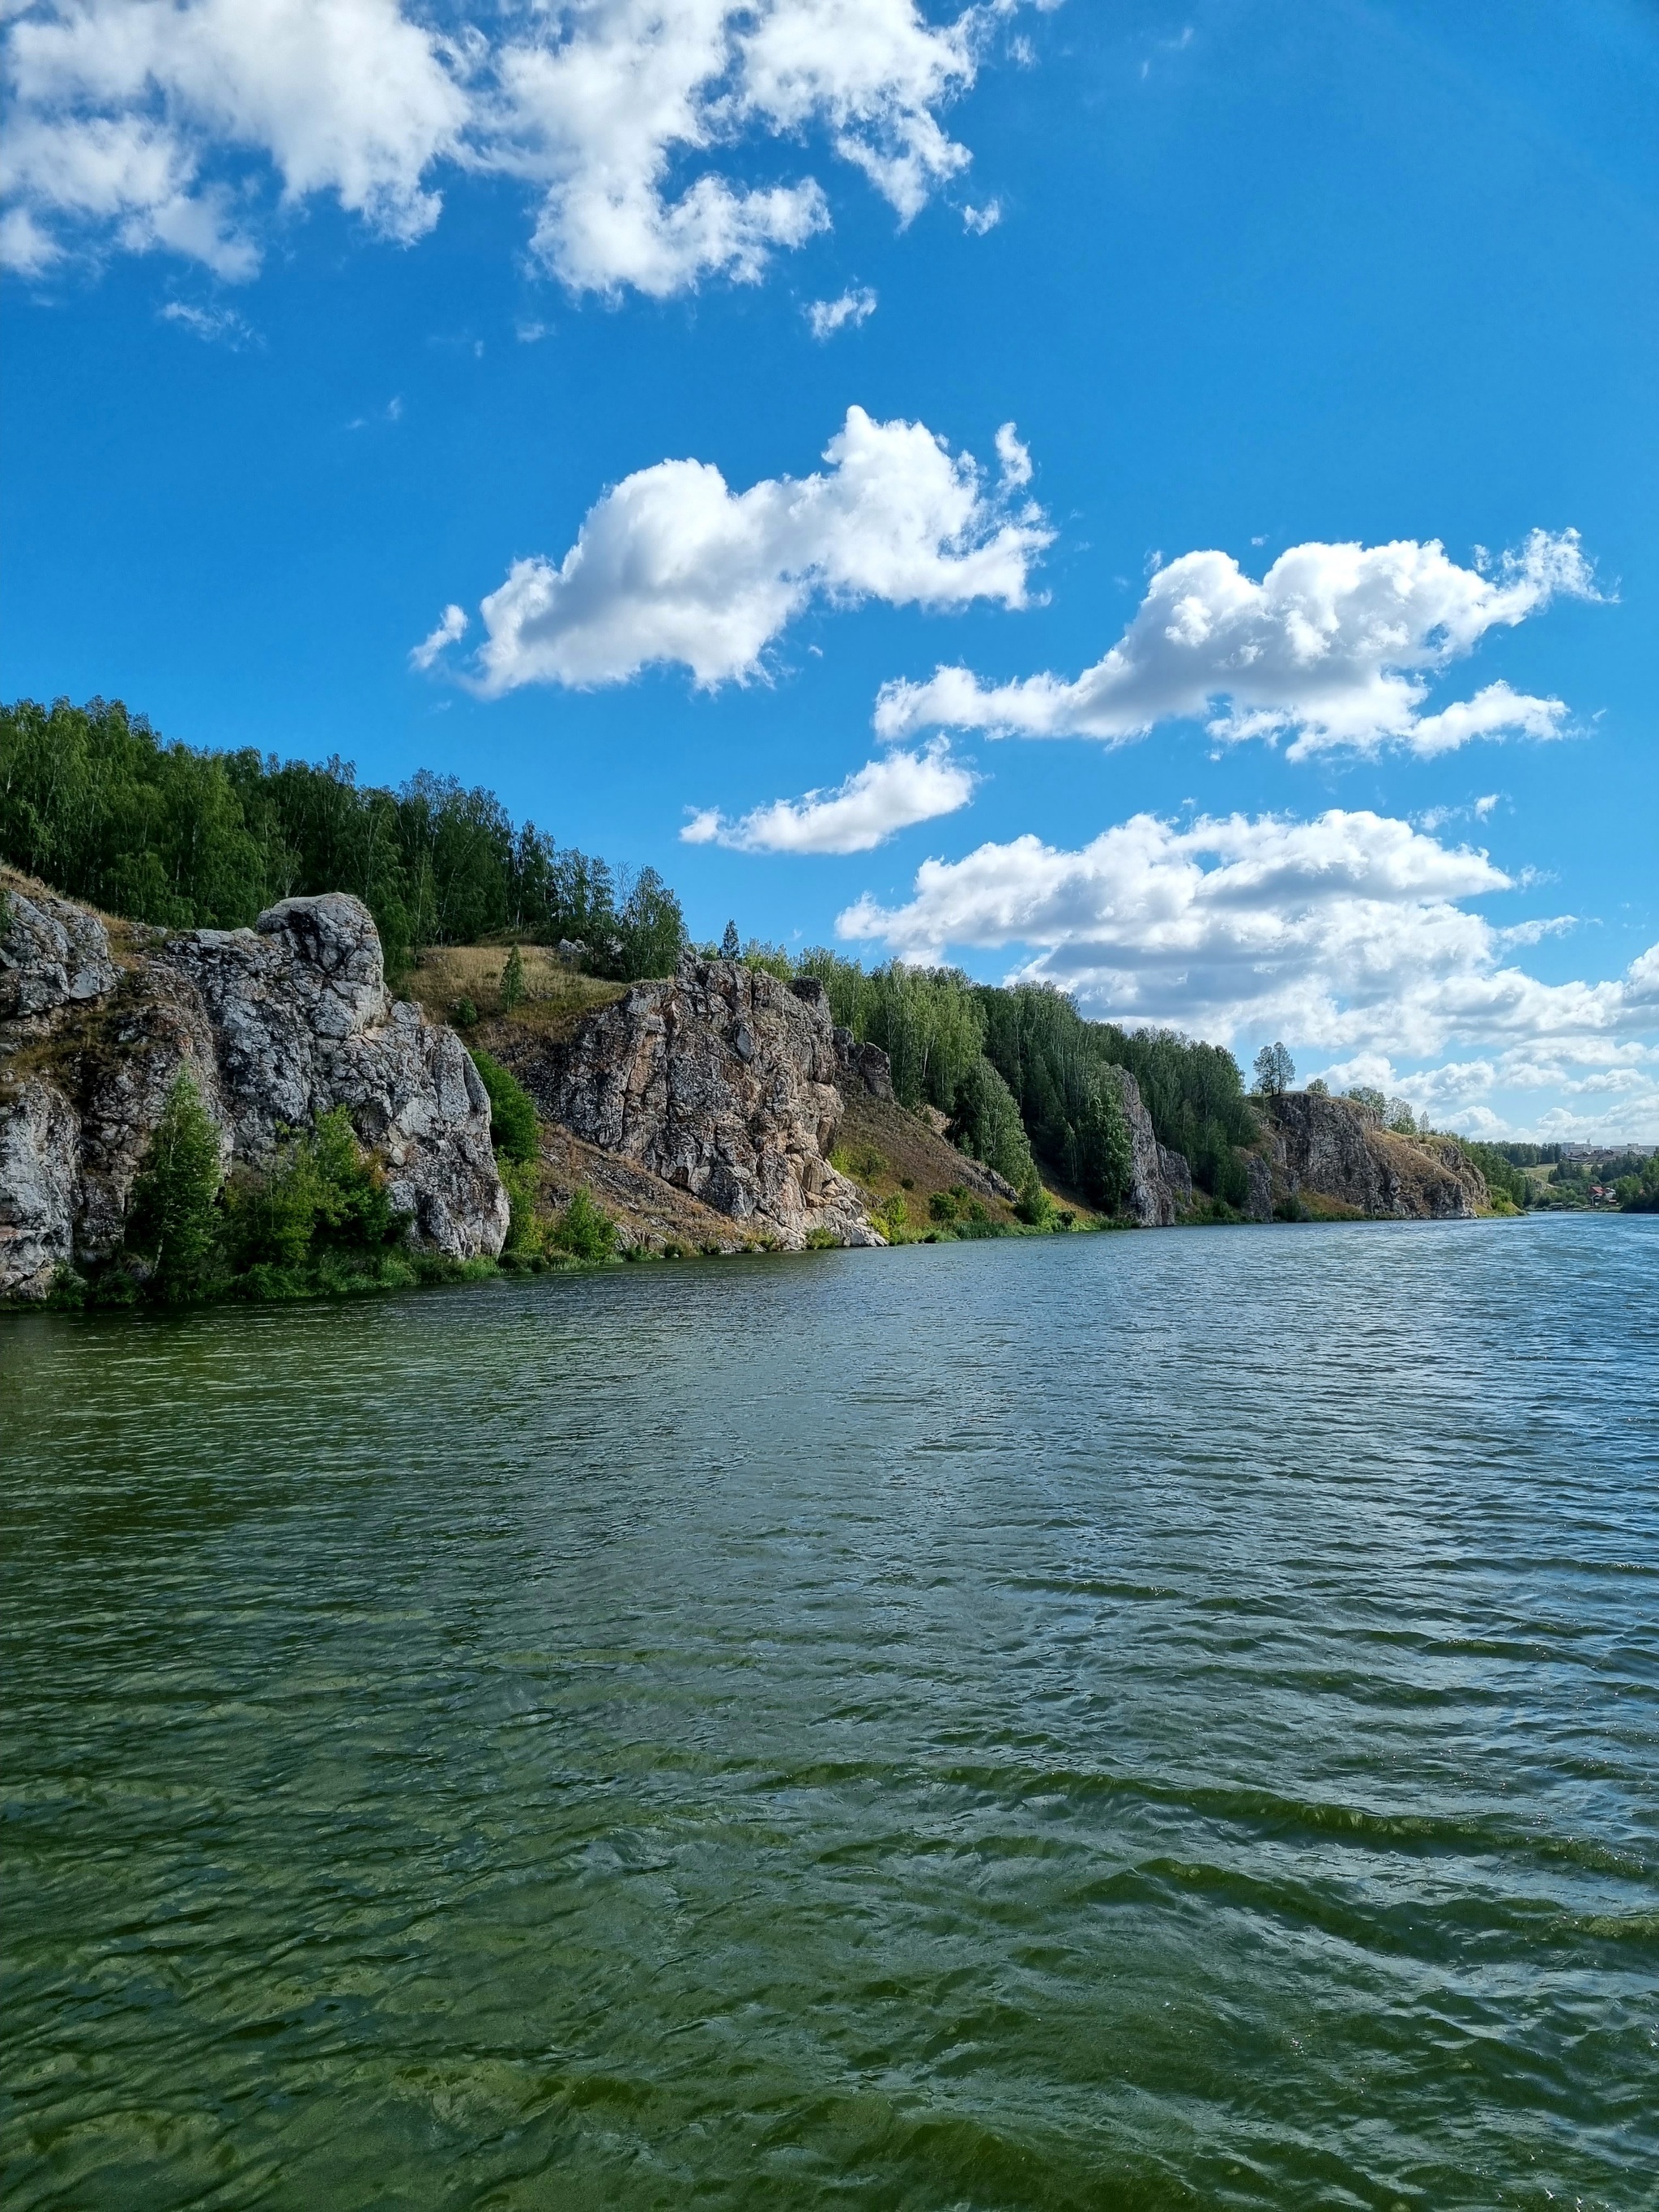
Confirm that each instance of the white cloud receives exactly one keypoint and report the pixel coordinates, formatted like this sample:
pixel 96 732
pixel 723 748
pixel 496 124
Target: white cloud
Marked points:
pixel 1013 457
pixel 1334 647
pixel 1348 934
pixel 883 798
pixel 671 565
pixel 980 220
pixel 451 625
pixel 120 106
pixel 826 317
pixel 212 325
pixel 148 122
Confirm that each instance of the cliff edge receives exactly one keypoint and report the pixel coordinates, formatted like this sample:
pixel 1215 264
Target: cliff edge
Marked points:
pixel 277 1025
pixel 724 1082
pixel 1334 1153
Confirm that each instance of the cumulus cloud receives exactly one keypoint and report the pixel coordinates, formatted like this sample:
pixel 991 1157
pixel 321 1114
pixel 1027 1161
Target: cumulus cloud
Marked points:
pixel 671 565
pixel 1350 933
pixel 825 317
pixel 146 123
pixel 1335 647
pixel 121 109
pixel 881 798
pixel 451 625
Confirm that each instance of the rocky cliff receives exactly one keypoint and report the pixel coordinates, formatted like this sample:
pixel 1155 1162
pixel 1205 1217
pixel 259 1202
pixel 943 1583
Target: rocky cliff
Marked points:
pixel 277 1025
pixel 1160 1182
pixel 1333 1152
pixel 724 1082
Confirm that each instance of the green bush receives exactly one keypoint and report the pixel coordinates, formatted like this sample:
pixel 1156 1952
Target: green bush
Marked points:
pixel 513 1128
pixel 585 1230
pixel 864 1162
pixel 1036 1208
pixel 172 1218
pixel 522 1182
pixel 942 1208
pixel 892 1217
pixel 322 1195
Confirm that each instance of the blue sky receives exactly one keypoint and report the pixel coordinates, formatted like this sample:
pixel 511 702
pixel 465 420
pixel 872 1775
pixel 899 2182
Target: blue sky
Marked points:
pixel 327 316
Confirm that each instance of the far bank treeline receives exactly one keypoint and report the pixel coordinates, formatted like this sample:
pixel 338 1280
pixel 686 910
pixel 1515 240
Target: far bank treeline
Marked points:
pixel 92 801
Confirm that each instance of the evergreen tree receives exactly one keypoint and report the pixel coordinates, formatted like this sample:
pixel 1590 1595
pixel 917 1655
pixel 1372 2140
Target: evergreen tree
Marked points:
pixel 512 981
pixel 731 949
pixel 172 1218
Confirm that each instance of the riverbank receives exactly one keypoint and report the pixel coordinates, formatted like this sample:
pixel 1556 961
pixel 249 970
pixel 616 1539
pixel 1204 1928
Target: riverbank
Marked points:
pixel 253 1113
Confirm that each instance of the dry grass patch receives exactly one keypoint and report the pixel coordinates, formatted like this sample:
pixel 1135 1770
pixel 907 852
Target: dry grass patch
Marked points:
pixel 554 996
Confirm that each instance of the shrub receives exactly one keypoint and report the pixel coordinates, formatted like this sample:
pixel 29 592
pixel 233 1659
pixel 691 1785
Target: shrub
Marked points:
pixel 511 981
pixel 1035 1207
pixel 172 1220
pixel 522 1182
pixel 464 1013
pixel 514 1129
pixel 894 1218
pixel 321 1195
pixel 585 1230
pixel 942 1207
pixel 862 1162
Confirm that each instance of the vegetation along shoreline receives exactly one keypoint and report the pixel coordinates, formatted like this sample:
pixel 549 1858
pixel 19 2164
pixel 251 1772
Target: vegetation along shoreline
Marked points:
pixel 266 1033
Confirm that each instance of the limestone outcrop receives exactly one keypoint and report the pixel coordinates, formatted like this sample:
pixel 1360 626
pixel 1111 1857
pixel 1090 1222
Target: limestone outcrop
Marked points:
pixel 724 1082
pixel 277 1025
pixel 1160 1182
pixel 1334 1149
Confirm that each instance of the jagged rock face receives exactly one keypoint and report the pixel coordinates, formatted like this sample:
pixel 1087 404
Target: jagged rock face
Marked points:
pixel 1331 1148
pixel 53 954
pixel 723 1081
pixel 1160 1183
pixel 277 1025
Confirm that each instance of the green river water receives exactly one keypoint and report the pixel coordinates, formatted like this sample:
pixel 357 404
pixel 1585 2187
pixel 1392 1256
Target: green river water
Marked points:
pixel 1127 1721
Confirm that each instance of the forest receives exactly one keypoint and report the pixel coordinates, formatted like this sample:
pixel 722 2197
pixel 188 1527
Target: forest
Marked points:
pixel 92 801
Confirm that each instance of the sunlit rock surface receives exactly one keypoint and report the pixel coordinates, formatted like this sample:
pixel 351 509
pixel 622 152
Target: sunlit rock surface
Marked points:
pixel 277 1025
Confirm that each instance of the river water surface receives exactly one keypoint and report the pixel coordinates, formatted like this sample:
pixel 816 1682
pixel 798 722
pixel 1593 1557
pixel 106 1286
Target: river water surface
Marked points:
pixel 1121 1720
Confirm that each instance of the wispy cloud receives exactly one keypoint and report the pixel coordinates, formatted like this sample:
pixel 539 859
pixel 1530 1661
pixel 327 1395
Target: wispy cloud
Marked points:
pixel 825 317
pixel 451 626
pixel 215 325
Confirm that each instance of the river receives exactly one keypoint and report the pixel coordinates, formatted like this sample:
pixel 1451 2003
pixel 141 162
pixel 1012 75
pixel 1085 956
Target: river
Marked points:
pixel 1142 1721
